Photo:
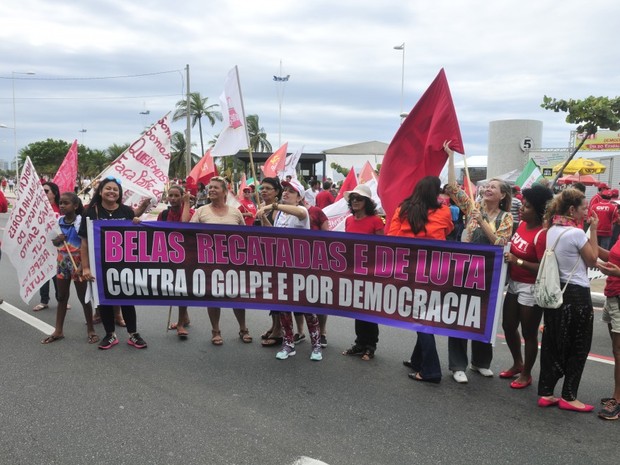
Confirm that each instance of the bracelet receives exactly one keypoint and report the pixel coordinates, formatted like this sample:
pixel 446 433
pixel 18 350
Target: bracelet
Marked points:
pixel 519 262
pixel 274 206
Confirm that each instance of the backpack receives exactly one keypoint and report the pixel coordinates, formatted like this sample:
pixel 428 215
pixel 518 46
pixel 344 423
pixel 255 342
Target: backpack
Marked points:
pixel 547 289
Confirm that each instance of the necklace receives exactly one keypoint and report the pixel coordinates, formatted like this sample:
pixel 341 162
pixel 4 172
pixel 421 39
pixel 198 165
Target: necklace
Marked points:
pixel 109 212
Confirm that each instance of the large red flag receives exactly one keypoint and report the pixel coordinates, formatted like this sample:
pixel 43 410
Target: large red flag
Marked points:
pixel 417 148
pixel 276 162
pixel 348 184
pixel 201 173
pixel 66 175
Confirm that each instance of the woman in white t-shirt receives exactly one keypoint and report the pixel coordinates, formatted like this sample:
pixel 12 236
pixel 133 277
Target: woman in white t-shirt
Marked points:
pixel 567 335
pixel 291 214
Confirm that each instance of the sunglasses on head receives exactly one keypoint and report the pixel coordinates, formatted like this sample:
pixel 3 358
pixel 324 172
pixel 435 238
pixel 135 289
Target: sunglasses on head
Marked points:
pixel 112 178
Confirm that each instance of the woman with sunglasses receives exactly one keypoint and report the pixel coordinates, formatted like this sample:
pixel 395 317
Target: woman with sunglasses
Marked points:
pixel 363 220
pixel 218 212
pixel 422 215
pixel 53 195
pixel 107 205
pixel 290 213
pixel 270 192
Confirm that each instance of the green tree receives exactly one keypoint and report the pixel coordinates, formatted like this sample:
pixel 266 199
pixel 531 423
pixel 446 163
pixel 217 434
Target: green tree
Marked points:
pixel 178 144
pixel 590 114
pixel 257 135
pixel 198 109
pixel 339 168
pixel 115 150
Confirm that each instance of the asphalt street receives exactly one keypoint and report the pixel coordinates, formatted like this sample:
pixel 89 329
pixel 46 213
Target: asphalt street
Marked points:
pixel 194 403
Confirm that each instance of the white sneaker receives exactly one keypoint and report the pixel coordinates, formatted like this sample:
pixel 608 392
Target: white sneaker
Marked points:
pixel 285 353
pixel 459 376
pixel 483 371
pixel 316 356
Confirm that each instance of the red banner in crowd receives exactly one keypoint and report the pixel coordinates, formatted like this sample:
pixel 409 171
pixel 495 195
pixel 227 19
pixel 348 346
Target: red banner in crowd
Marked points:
pixel 440 287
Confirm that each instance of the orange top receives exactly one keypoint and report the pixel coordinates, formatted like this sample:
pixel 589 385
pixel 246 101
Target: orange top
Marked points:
pixel 439 225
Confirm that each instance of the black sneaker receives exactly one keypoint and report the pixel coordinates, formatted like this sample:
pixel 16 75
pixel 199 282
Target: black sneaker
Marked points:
pixel 323 341
pixel 611 411
pixel 136 341
pixel 299 338
pixel 108 341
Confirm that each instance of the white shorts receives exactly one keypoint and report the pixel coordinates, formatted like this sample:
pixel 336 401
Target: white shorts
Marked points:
pixel 611 313
pixel 523 291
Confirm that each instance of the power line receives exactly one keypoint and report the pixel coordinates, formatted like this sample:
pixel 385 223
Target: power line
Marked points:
pixel 95 78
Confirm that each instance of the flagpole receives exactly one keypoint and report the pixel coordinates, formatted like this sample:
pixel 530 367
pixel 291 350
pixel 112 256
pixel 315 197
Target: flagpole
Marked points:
pixel 471 194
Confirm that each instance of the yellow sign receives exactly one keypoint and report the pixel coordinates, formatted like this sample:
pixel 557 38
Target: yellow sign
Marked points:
pixel 601 141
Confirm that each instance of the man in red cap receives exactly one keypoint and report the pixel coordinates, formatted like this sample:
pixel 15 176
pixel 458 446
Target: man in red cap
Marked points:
pixel 607 213
pixel 597 197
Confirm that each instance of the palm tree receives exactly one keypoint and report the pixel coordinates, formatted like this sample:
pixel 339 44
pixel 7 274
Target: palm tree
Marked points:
pixel 257 135
pixel 177 156
pixel 198 108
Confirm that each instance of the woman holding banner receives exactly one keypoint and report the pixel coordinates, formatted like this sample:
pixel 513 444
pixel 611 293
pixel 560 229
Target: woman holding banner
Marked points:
pixel 179 210
pixel 527 247
pixel 488 222
pixel 422 215
pixel 218 212
pixel 364 220
pixel 291 214
pixel 107 205
pixel 567 336
pixel 270 191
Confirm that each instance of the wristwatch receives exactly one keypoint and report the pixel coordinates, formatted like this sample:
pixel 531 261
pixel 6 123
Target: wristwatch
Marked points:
pixel 519 262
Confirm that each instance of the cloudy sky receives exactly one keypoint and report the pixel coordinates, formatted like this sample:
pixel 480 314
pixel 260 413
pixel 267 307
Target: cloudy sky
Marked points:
pixel 99 63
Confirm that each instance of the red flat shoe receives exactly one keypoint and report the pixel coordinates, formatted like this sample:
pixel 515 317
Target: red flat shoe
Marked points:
pixel 510 373
pixel 517 385
pixel 542 402
pixel 566 406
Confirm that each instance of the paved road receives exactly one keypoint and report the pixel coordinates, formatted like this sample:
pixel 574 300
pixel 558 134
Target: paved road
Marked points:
pixel 193 403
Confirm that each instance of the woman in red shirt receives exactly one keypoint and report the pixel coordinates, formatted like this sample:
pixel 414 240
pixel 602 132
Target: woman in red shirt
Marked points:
pixel 422 215
pixel 364 220
pixel 527 247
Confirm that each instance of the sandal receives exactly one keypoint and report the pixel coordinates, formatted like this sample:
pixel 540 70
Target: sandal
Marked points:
pixel 175 325
pixel 51 338
pixel 418 377
pixel 273 341
pixel 354 350
pixel 39 307
pixel 93 339
pixel 244 335
pixel 368 354
pixel 181 331
pixel 266 334
pixel 217 340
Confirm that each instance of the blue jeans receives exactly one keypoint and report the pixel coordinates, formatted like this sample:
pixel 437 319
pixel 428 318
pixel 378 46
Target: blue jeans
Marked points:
pixel 424 358
pixel 44 292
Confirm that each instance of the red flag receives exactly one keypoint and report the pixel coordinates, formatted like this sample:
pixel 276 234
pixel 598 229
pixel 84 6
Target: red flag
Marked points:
pixel 417 148
pixel 201 173
pixel 367 173
pixel 469 188
pixel 66 175
pixel 348 184
pixel 276 162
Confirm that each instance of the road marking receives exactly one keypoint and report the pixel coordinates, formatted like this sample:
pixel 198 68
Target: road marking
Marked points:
pixel 308 461
pixel 26 318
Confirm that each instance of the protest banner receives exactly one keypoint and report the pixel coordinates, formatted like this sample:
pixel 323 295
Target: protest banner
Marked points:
pixel 446 288
pixel 27 239
pixel 143 167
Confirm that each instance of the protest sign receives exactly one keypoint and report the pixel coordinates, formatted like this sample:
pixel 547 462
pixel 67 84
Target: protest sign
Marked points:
pixel 442 287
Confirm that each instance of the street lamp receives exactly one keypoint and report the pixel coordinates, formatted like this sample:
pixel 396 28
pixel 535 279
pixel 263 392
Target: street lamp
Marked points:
pixel 13 73
pixel 402 82
pixel 4 126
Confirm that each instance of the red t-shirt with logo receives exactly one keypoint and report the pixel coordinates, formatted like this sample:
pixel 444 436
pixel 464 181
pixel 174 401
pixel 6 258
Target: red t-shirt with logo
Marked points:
pixel 528 247
pixel 366 225
pixel 607 213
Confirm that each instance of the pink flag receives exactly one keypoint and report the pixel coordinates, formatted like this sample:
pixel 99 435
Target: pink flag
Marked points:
pixel 367 173
pixel 417 148
pixel 275 163
pixel 243 184
pixel 201 173
pixel 66 175
pixel 348 184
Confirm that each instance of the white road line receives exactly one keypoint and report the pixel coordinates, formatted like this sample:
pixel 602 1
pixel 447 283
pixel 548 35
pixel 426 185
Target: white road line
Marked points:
pixel 308 461
pixel 26 318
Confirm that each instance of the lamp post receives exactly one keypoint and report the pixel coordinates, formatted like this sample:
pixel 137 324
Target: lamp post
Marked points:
pixel 13 73
pixel 402 82
pixel 83 131
pixel 4 126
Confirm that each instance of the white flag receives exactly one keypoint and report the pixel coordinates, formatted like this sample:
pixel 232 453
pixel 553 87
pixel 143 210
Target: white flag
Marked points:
pixel 234 137
pixel 27 239
pixel 291 164
pixel 143 167
pixel 338 211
